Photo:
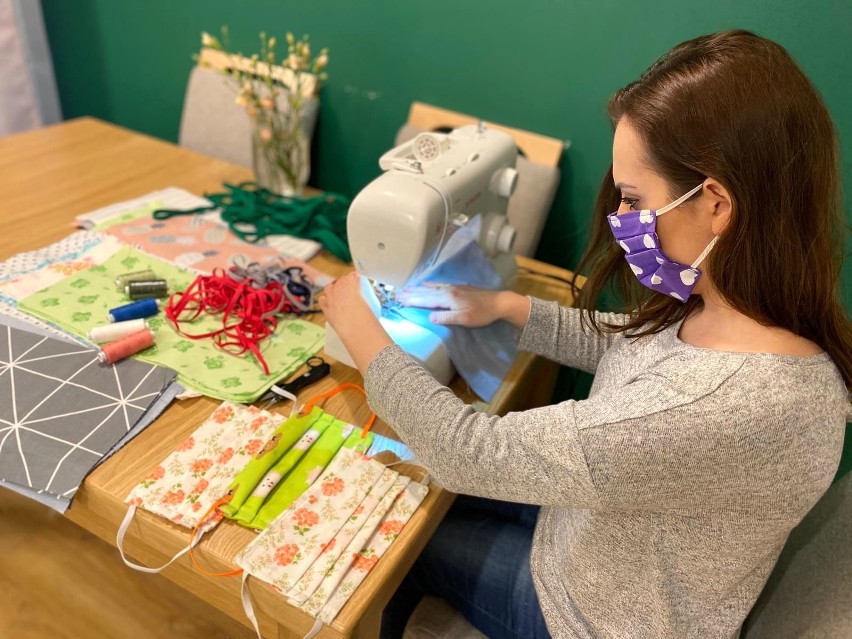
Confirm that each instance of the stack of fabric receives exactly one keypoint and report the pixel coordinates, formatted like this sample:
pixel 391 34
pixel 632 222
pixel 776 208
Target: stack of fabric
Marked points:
pixel 62 413
pixel 327 510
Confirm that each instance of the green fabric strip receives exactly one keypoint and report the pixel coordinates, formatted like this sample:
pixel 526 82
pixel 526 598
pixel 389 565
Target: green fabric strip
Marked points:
pixel 273 477
pixel 281 440
pixel 339 435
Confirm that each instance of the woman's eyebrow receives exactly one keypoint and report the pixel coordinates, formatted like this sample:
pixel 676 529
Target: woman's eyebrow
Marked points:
pixel 622 185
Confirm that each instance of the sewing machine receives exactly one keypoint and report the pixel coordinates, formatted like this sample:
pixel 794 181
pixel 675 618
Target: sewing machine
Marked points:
pixel 398 224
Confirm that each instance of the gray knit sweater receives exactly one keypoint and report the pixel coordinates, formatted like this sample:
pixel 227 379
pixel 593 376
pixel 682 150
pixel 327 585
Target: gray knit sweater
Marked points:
pixel 667 495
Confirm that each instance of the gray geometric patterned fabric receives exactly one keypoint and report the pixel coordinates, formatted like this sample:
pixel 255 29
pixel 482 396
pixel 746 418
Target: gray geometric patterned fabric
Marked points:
pixel 61 410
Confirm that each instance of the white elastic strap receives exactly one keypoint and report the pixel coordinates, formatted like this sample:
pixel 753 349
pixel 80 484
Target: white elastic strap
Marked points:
pixel 680 200
pixel 705 252
pixel 248 608
pixel 425 479
pixel 314 631
pixel 287 395
pixel 119 542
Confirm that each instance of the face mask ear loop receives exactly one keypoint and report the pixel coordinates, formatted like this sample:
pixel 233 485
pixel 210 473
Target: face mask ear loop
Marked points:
pixel 119 542
pixel 423 480
pixel 705 252
pixel 308 406
pixel 201 522
pixel 248 608
pixel 287 395
pixel 314 631
pixel 683 198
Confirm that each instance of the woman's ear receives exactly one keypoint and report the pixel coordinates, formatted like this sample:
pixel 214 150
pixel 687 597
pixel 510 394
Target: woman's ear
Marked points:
pixel 718 205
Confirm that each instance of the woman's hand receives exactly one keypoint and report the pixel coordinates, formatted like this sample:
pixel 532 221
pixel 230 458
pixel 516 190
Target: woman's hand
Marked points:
pixel 346 308
pixel 466 305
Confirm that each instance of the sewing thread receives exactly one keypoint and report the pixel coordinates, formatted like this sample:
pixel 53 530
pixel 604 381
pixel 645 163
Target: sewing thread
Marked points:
pixel 146 288
pixel 126 346
pixel 134 310
pixel 123 280
pixel 117 330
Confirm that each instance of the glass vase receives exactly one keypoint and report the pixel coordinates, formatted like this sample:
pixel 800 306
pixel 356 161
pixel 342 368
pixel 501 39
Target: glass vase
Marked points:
pixel 281 157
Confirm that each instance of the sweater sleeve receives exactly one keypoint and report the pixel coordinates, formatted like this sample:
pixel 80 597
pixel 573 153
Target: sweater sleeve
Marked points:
pixel 557 333
pixel 647 444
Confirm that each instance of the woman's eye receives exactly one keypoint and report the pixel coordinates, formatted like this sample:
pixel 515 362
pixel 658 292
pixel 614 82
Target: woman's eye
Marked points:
pixel 631 202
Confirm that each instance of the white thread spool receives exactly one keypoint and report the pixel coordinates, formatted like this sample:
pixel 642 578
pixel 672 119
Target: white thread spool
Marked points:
pixel 110 332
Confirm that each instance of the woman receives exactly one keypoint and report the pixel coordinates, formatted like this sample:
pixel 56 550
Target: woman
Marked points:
pixel 716 417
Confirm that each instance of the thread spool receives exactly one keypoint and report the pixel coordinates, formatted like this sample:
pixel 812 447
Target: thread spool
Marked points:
pixel 123 280
pixel 126 346
pixel 146 288
pixel 134 310
pixel 117 330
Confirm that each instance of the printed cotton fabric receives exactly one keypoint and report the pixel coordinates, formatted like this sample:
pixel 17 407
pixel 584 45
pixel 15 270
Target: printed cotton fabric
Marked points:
pixel 82 301
pixel 62 411
pixel 180 200
pixel 198 472
pixel 190 242
pixel 321 548
pixel 21 285
pixel 291 544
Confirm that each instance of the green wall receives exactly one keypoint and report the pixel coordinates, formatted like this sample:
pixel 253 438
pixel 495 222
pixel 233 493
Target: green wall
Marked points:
pixel 546 66
pixel 543 65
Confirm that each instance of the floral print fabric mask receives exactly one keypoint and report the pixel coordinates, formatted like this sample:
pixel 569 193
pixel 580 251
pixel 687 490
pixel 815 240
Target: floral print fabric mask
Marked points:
pixel 186 485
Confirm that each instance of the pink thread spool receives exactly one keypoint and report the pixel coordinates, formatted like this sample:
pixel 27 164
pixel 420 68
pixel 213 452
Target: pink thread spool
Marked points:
pixel 126 346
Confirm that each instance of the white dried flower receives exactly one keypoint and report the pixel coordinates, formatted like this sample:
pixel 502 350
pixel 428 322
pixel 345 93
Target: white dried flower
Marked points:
pixel 209 41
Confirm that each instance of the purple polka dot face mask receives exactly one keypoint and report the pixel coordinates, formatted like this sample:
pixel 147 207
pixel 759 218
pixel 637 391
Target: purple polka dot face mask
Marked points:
pixel 636 233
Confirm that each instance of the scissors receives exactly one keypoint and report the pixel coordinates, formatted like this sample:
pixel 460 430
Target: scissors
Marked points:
pixel 317 369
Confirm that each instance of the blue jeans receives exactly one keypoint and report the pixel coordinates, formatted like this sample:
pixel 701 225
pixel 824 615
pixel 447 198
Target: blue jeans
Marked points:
pixel 478 561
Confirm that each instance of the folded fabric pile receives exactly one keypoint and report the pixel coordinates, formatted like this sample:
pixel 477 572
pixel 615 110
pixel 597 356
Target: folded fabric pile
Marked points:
pixel 82 301
pixel 62 412
pixel 327 510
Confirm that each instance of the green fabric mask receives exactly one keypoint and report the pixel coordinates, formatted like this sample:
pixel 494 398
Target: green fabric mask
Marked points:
pixel 279 469
pixel 279 443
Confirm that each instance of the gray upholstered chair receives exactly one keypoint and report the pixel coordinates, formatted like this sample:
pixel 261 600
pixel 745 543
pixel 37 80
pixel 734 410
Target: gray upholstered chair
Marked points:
pixel 809 593
pixel 213 124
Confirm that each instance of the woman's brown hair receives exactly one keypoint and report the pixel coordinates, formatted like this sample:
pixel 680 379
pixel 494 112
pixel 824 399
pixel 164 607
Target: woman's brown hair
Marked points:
pixel 736 107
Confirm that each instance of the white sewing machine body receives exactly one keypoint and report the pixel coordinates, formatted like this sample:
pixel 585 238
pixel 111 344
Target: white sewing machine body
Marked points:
pixel 398 224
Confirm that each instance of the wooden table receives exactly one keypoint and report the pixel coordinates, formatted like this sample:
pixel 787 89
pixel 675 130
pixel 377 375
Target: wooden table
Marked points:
pixel 50 175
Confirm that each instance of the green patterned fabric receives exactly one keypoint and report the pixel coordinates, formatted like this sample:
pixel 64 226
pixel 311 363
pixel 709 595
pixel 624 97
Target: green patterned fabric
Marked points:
pixel 246 484
pixel 144 210
pixel 275 476
pixel 338 435
pixel 83 300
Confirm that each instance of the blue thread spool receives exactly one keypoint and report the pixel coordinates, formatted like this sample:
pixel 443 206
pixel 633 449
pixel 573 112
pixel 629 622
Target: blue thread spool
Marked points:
pixel 135 310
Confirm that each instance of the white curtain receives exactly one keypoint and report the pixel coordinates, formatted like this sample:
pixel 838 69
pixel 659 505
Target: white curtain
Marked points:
pixel 28 96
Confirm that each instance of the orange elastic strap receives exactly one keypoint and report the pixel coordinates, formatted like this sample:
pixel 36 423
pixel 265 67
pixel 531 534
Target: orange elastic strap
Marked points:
pixel 224 500
pixel 313 400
